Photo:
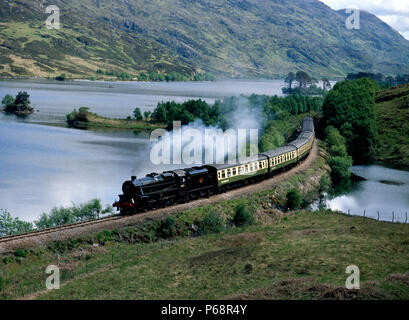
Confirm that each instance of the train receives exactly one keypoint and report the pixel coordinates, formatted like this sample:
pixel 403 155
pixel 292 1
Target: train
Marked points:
pixel 157 190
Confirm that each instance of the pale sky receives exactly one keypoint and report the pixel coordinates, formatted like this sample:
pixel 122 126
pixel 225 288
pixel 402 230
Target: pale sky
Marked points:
pixel 393 12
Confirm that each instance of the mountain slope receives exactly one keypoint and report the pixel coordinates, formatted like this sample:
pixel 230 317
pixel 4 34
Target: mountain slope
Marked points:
pixel 239 38
pixel 392 117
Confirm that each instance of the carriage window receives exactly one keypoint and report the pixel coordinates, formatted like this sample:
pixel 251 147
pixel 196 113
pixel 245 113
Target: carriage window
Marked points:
pixel 234 171
pixel 246 168
pixel 229 172
pixel 223 174
pixel 219 175
pixel 240 170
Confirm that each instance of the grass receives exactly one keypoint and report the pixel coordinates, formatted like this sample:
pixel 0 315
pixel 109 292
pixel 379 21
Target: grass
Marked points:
pixel 308 251
pixel 298 255
pixel 392 117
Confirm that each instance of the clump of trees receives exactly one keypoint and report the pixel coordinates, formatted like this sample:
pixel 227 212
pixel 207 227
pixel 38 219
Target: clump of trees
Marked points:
pixel 222 113
pixel 58 216
pixel 349 107
pixel 61 77
pixel 157 76
pixel 80 115
pixel 19 105
pixel 382 80
pixel 11 226
pixel 307 85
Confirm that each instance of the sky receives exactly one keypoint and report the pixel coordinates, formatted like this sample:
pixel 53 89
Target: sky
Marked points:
pixel 393 12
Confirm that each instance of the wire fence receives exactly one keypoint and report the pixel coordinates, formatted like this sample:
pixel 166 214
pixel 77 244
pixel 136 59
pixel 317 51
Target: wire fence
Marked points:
pixel 394 217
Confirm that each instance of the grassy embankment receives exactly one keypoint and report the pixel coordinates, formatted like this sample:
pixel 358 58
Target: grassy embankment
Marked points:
pixel 392 117
pixel 85 119
pixel 296 255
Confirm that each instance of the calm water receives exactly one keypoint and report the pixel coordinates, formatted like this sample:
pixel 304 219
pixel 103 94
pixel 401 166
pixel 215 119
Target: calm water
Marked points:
pixel 43 166
pixel 377 189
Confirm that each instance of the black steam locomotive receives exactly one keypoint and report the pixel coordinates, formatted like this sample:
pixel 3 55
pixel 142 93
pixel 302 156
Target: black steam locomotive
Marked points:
pixel 158 190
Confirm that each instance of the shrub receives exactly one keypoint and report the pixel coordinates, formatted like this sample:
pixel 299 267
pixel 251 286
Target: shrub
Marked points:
pixel 340 162
pixel 242 216
pixel 105 236
pixel 21 253
pixel 211 223
pixel 61 77
pixel 340 167
pixel 294 199
pixel 167 228
pixel 1 283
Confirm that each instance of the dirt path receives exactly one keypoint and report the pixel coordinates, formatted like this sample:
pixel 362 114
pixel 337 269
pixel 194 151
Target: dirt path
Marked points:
pixel 61 235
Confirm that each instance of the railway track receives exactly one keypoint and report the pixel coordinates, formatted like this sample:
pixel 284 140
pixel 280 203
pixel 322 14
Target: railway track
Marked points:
pixel 57 229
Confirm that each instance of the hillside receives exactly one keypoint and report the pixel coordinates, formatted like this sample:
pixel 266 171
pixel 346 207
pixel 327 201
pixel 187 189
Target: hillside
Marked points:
pixel 245 38
pixel 392 116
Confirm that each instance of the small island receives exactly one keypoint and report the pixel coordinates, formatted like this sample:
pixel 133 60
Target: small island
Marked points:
pixel 19 106
pixel 84 119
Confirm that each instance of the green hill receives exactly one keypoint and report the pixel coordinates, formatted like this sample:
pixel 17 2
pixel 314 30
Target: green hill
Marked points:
pixel 392 116
pixel 243 38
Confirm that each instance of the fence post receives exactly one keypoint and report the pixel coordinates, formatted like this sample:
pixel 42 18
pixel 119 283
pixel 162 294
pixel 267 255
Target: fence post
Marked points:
pixel 349 212
pixel 406 217
pixel 378 215
pixel 364 212
pixel 393 216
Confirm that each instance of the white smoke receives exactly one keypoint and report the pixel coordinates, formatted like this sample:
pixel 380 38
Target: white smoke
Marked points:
pixel 196 144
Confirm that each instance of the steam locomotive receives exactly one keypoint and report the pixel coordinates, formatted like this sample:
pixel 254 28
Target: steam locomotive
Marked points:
pixel 158 190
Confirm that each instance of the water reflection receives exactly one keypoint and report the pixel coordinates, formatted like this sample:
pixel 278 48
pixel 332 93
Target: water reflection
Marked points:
pixel 373 189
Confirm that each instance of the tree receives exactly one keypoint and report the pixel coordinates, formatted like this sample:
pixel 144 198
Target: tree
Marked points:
pixel 303 78
pixel 147 115
pixel 7 102
pixel 290 79
pixel 349 107
pixel 22 100
pixel 138 114
pixel 160 114
pixel 11 226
